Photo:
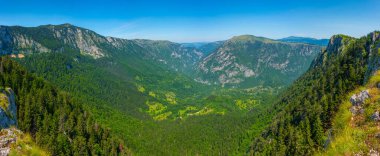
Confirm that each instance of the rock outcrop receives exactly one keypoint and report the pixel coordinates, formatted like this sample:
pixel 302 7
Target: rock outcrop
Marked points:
pixel 8 109
pixel 357 100
pixel 56 38
pixel 374 59
pixel 7 138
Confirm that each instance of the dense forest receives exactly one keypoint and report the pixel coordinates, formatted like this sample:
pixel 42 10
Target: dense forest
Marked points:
pixel 305 111
pixel 56 122
pixel 203 133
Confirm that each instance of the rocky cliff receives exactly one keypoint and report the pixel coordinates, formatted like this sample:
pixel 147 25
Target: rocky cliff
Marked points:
pixel 374 54
pixel 67 38
pixel 50 38
pixel 8 109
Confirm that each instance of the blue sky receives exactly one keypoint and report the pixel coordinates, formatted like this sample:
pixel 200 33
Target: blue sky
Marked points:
pixel 200 20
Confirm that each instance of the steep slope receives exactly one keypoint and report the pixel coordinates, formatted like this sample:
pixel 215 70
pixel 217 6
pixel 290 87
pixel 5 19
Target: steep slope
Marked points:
pixel 355 128
pixel 56 121
pixel 307 40
pixel 15 142
pixel 8 108
pixel 173 55
pixel 306 110
pixel 210 47
pixel 66 37
pixel 107 62
pixel 247 61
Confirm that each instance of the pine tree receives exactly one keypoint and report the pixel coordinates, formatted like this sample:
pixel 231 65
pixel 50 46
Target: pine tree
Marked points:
pixel 318 135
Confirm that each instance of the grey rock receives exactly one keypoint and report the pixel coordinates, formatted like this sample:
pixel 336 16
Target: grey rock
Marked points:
pixel 359 99
pixel 8 116
pixel 7 138
pixel 356 110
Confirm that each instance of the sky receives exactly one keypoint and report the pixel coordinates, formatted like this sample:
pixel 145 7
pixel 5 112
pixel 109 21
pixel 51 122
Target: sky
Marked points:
pixel 200 20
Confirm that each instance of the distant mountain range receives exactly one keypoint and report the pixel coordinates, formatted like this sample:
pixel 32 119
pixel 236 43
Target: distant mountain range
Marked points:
pixel 243 61
pixel 294 39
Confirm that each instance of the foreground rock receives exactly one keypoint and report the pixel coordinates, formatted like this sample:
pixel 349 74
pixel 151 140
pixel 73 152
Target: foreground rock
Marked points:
pixel 357 100
pixel 8 137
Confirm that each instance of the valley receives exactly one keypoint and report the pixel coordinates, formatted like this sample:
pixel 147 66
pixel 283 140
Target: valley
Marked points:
pixel 247 95
pixel 148 91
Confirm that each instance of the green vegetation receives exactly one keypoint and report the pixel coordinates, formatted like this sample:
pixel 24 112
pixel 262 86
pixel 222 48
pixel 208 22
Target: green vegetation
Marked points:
pixel 305 112
pixel 25 145
pixel 354 134
pixel 199 118
pixel 4 103
pixel 247 61
pixel 142 96
pixel 56 122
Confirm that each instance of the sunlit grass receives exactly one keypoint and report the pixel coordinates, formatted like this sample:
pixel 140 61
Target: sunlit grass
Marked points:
pixel 352 133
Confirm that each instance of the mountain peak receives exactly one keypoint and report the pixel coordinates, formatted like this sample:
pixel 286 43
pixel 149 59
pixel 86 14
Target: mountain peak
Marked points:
pixel 337 41
pixel 246 38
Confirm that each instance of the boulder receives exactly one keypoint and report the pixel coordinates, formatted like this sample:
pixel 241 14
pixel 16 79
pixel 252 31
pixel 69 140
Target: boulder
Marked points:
pixel 359 99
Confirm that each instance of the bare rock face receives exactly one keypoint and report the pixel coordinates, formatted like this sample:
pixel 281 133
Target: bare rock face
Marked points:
pixel 8 109
pixel 374 59
pixel 21 40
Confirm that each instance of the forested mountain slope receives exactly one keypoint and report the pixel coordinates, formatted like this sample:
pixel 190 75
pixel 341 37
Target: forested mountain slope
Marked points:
pixel 246 61
pixel 306 110
pixel 56 122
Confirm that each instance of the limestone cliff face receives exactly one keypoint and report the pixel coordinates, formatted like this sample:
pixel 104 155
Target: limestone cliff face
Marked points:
pixel 336 45
pixel 8 108
pixel 50 38
pixel 25 44
pixel 68 38
pixel 374 54
pixel 339 43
